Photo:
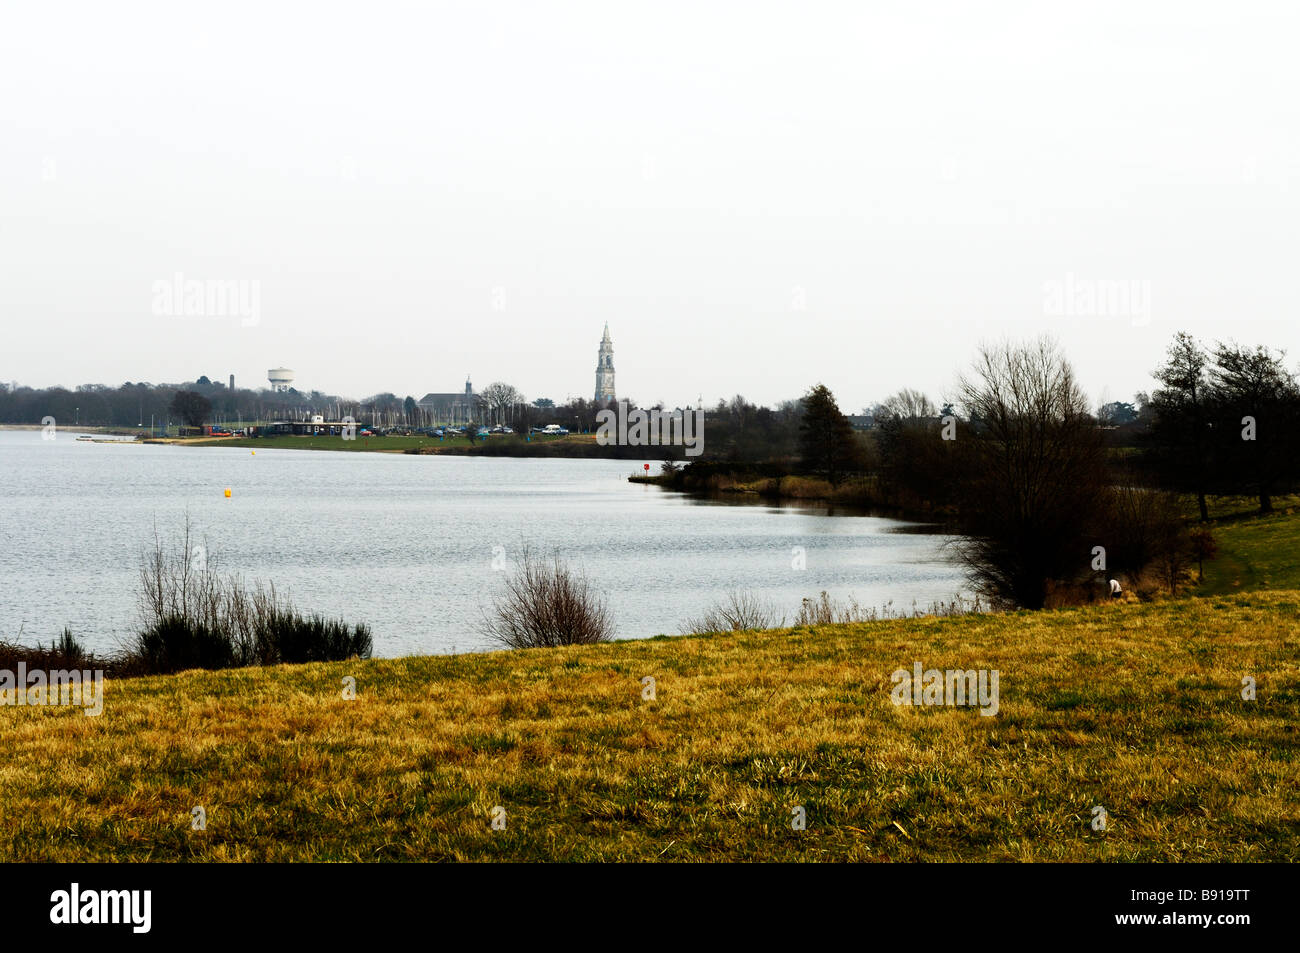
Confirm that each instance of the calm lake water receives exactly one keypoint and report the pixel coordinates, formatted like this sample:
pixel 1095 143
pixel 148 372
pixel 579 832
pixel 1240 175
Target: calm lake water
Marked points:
pixel 406 543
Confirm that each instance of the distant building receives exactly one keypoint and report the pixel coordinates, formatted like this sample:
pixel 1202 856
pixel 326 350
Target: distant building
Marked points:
pixel 861 421
pixel 281 379
pixel 605 369
pixel 452 408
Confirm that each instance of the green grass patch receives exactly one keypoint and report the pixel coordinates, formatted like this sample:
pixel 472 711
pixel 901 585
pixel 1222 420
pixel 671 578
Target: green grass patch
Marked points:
pixel 1255 551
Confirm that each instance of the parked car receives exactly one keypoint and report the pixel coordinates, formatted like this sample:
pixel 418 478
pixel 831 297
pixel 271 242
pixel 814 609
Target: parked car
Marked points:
pixel 554 430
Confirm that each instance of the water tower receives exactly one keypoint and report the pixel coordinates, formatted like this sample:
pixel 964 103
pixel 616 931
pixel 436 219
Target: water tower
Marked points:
pixel 280 377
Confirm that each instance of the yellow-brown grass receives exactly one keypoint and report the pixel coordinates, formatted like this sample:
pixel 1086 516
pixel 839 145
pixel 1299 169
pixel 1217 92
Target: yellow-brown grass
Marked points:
pixel 1135 708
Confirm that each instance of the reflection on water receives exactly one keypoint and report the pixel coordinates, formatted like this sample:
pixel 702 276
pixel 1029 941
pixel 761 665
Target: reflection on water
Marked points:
pixel 902 524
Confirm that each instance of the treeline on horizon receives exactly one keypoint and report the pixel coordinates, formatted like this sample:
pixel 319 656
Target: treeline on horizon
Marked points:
pixel 204 401
pixel 132 405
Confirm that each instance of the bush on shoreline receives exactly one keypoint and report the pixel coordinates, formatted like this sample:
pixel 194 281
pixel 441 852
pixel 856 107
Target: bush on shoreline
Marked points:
pixel 64 653
pixel 193 617
pixel 546 605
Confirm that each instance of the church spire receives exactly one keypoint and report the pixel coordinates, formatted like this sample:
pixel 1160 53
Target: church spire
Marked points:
pixel 605 369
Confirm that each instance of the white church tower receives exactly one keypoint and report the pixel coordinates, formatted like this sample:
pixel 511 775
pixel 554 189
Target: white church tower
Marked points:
pixel 605 369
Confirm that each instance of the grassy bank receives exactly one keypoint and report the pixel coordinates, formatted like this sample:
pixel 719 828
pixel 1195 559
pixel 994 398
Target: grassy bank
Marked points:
pixel 1134 707
pixel 509 445
pixel 773 482
pixel 359 445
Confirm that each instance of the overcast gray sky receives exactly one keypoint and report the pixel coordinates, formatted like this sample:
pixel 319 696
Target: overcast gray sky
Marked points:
pixel 755 196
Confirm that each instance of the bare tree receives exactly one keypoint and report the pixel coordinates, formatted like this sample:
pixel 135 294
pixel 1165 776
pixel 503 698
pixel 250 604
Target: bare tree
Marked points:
pixel 1033 478
pixel 500 399
pixel 909 404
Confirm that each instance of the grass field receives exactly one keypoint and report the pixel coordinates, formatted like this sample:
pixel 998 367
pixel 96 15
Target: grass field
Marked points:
pixel 1255 552
pixel 1135 708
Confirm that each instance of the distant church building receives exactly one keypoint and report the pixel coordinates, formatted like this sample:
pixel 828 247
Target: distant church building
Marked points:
pixel 605 369
pixel 452 408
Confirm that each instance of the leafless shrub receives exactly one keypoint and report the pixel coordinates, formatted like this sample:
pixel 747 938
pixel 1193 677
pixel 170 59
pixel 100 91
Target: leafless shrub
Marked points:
pixel 737 612
pixel 547 604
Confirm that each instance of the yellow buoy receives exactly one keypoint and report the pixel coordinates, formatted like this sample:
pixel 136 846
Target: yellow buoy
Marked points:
pixel 227 492
pixel 253 452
